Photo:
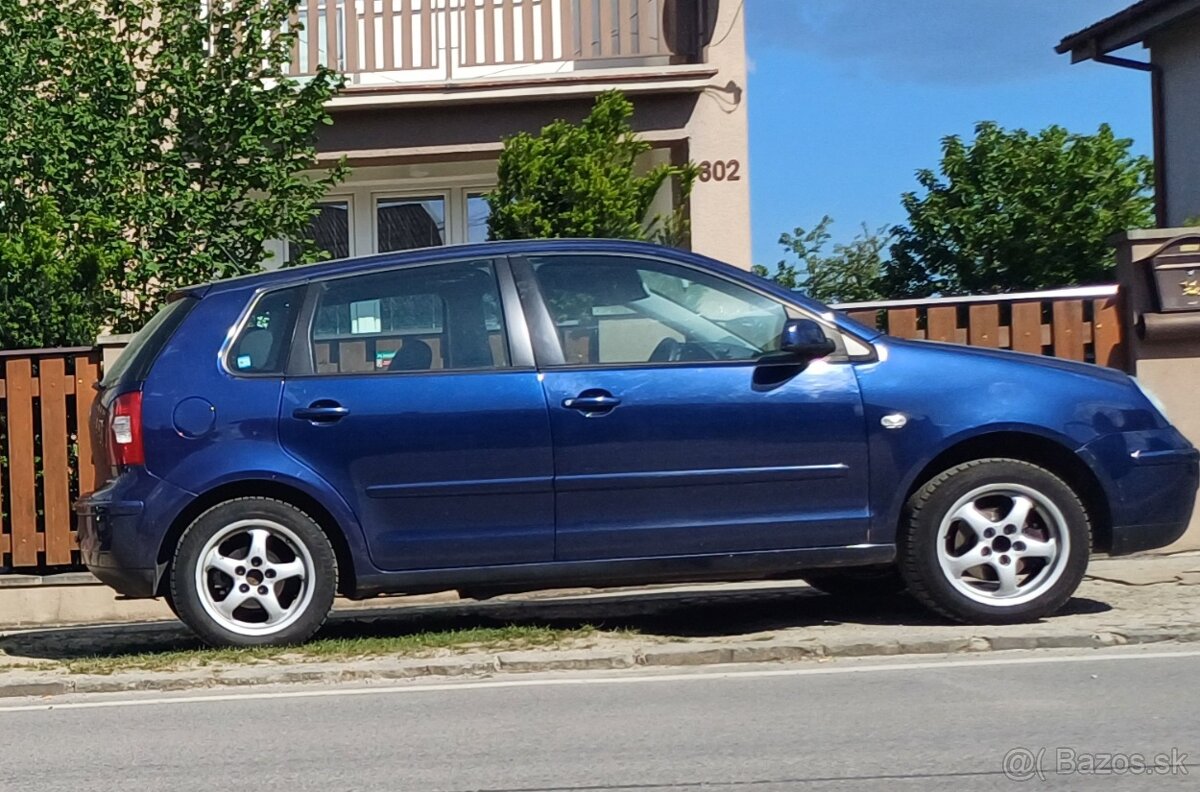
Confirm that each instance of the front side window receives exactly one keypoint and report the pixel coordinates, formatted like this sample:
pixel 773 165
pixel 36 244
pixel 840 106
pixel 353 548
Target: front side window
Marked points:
pixel 435 317
pixel 613 309
pixel 261 345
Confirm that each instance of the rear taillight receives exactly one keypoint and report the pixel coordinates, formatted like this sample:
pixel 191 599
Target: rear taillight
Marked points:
pixel 125 431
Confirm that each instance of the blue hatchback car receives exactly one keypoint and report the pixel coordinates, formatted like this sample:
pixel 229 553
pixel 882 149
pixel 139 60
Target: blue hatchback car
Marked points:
pixel 513 416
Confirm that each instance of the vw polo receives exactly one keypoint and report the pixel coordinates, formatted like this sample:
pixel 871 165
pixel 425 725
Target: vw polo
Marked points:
pixel 512 416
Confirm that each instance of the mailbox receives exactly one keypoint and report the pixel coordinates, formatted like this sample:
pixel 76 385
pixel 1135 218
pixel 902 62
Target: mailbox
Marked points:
pixel 1176 274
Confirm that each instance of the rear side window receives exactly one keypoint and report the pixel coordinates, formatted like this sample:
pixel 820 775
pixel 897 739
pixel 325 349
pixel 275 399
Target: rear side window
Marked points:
pixel 431 318
pixel 135 361
pixel 261 346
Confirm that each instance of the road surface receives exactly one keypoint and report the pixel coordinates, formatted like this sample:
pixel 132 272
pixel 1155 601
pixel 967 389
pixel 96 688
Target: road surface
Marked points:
pixel 901 724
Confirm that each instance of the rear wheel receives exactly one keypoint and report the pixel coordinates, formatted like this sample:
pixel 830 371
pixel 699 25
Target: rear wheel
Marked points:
pixel 858 583
pixel 252 572
pixel 994 541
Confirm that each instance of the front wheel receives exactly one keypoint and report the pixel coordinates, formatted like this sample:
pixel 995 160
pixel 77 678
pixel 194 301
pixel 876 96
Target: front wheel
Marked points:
pixel 253 572
pixel 996 541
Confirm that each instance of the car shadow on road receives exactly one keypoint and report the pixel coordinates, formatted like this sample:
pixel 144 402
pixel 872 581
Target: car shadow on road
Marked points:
pixel 705 613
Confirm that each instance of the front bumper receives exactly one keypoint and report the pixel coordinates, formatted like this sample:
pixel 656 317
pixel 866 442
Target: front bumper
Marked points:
pixel 1151 479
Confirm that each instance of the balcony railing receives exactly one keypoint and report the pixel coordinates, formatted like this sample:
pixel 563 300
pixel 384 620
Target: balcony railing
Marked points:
pixel 389 41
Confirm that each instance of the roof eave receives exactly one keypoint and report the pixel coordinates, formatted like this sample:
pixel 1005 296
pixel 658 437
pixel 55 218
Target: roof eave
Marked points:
pixel 1133 25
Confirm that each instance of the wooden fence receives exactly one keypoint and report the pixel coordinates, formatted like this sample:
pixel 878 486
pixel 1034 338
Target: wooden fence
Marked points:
pixel 46 396
pixel 1077 324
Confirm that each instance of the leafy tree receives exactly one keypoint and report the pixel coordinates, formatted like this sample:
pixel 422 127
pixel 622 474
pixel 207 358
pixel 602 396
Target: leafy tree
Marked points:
pixel 1013 211
pixel 53 278
pixel 582 180
pixel 851 273
pixel 162 131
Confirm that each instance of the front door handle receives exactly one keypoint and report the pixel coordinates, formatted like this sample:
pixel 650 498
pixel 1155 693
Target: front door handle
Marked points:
pixel 591 402
pixel 321 412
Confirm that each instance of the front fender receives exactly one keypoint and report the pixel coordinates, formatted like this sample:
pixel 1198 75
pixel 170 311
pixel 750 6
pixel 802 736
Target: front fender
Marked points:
pixel 943 396
pixel 897 471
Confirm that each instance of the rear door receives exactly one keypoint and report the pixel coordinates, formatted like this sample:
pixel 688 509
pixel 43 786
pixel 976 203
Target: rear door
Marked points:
pixel 675 431
pixel 415 408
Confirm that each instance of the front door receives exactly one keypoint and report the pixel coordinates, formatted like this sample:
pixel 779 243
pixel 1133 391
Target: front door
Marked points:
pixel 414 412
pixel 674 433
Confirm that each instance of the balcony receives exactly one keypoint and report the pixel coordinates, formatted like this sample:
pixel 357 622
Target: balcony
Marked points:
pixel 404 43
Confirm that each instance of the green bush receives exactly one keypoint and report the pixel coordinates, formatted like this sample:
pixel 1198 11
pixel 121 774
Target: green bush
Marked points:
pixel 582 180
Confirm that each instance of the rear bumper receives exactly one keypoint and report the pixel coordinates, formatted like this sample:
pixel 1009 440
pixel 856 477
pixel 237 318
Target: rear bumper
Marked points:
pixel 1151 483
pixel 122 527
pixel 98 523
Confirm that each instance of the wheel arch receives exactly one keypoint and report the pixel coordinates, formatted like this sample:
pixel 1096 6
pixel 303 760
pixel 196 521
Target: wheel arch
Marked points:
pixel 1038 450
pixel 259 488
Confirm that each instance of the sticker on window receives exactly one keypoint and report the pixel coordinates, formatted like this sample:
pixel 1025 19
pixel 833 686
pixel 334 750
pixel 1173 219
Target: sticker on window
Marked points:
pixel 244 362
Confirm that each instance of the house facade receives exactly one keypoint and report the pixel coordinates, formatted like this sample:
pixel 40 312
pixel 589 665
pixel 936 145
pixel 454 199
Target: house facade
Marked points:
pixel 1170 30
pixel 433 86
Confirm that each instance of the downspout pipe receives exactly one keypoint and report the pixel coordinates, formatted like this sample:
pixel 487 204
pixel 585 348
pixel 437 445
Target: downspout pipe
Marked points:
pixel 1157 105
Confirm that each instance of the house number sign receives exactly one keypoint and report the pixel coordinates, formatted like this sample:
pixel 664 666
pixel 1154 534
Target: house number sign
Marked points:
pixel 720 170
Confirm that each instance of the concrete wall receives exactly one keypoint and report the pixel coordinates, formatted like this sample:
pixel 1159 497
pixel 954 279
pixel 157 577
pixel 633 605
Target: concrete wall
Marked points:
pixel 1177 52
pixel 718 132
pixel 1168 368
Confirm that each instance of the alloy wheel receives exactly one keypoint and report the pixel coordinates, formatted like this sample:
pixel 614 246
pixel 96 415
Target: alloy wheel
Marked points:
pixel 255 577
pixel 1003 544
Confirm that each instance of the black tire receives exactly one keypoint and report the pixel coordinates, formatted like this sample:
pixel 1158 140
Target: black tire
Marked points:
pixel 919 552
pixel 169 598
pixel 857 583
pixel 305 599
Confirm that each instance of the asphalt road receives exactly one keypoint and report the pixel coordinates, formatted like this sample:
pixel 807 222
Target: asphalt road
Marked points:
pixel 924 724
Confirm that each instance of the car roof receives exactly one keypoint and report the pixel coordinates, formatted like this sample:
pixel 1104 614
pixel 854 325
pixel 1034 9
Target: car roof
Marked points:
pixel 349 266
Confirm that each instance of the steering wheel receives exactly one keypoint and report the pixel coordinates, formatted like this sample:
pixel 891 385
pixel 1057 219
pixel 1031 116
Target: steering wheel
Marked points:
pixel 671 351
pixel 668 351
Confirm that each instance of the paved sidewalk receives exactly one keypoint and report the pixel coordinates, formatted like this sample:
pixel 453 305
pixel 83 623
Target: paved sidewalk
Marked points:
pixel 1123 601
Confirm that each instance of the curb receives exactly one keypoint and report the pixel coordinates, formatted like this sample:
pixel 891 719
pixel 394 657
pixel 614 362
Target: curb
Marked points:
pixel 534 661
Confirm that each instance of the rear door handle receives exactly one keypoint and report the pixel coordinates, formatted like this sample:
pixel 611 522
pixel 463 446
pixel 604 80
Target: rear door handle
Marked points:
pixel 592 403
pixel 321 413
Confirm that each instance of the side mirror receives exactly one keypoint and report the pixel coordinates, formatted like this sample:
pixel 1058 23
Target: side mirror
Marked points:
pixel 805 339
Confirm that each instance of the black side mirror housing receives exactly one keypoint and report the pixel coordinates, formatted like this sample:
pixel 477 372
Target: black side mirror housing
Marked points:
pixel 805 339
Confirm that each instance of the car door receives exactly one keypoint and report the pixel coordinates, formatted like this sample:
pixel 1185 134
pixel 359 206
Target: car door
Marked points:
pixel 678 429
pixel 410 403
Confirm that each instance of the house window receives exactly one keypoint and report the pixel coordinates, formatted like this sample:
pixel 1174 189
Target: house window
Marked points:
pixel 329 230
pixel 477 217
pixel 406 223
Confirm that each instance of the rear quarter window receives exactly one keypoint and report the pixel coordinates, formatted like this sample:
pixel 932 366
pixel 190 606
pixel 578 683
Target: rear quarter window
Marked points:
pixel 262 344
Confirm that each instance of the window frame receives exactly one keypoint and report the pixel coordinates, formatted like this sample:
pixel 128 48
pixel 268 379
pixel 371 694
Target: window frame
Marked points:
pixel 548 345
pixel 302 359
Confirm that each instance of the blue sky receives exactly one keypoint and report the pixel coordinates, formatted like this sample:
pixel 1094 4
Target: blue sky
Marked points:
pixel 848 98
